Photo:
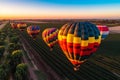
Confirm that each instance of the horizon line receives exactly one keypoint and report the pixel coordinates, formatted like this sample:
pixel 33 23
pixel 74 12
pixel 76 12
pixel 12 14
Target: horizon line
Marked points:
pixel 60 18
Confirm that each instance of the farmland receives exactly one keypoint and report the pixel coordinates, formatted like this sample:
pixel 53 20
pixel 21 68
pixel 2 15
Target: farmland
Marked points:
pixel 90 70
pixel 103 65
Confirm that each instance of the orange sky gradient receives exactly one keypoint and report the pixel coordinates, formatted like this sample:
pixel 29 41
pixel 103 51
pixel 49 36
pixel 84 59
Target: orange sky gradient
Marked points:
pixel 10 11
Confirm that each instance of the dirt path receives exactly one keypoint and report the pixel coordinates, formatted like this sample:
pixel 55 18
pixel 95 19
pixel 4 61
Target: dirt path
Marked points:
pixel 2 25
pixel 32 75
pixel 39 63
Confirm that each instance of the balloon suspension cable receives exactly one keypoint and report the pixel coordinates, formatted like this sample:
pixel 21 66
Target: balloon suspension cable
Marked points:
pixel 76 68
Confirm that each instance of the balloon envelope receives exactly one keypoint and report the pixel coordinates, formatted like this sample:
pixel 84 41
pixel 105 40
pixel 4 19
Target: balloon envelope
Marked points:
pixel 13 25
pixel 79 41
pixel 50 36
pixel 104 31
pixel 33 31
pixel 21 26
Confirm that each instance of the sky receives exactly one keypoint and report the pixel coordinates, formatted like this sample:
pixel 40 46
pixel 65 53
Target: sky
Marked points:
pixel 59 9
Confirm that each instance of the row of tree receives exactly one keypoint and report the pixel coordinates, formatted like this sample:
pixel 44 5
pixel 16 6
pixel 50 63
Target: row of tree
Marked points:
pixel 11 65
pixel 2 43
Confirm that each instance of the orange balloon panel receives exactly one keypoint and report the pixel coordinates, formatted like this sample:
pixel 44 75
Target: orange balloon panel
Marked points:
pixel 50 36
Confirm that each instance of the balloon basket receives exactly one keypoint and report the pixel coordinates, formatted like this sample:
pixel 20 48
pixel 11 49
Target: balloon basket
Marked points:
pixel 76 68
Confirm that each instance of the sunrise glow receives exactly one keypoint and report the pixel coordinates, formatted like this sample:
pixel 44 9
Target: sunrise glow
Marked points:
pixel 10 9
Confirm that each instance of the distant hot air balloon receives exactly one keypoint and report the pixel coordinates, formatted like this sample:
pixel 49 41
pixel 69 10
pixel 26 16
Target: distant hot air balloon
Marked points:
pixel 21 26
pixel 50 36
pixel 104 31
pixel 13 25
pixel 33 31
pixel 79 41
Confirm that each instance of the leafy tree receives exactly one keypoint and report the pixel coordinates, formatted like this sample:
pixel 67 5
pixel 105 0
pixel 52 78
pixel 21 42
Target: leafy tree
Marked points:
pixel 16 55
pixel 11 47
pixel 12 34
pixel 14 39
pixel 4 71
pixel 15 58
pixel 2 74
pixel 2 42
pixel 2 36
pixel 17 46
pixel 21 72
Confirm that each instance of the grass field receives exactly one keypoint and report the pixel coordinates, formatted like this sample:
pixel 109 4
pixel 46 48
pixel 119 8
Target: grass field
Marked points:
pixel 110 46
pixel 41 76
pixel 108 54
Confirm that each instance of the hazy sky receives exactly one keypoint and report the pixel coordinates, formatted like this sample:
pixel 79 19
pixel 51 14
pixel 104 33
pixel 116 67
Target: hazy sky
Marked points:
pixel 52 9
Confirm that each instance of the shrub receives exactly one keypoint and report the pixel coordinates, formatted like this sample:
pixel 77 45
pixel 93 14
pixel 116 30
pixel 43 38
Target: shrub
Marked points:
pixel 15 59
pixel 14 39
pixel 2 42
pixel 21 72
pixel 11 47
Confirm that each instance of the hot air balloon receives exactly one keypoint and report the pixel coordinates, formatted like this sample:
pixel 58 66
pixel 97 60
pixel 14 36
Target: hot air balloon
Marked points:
pixel 79 41
pixel 13 25
pixel 21 26
pixel 33 31
pixel 50 37
pixel 104 31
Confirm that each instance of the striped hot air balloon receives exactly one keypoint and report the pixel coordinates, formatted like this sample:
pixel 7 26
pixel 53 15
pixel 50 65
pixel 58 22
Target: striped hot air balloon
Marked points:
pixel 13 25
pixel 21 26
pixel 79 41
pixel 50 36
pixel 33 31
pixel 104 31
